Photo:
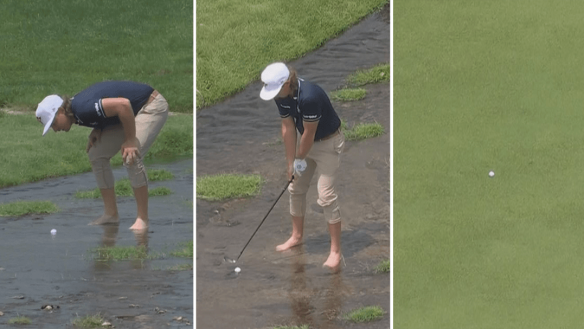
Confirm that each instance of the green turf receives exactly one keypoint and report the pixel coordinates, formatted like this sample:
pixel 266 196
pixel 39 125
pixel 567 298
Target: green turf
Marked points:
pixel 184 250
pixel 225 186
pixel 365 314
pixel 383 266
pixel 362 131
pixel 30 157
pixel 376 74
pixel 120 253
pixel 20 208
pixel 236 39
pixel 88 321
pixel 156 175
pixel 65 46
pixel 21 320
pixel 122 188
pixel 480 86
pixel 349 94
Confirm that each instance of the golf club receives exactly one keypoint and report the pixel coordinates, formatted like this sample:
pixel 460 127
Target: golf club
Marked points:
pixel 230 260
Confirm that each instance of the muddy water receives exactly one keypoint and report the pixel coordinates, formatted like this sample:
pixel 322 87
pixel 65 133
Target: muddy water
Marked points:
pixel 37 268
pixel 291 288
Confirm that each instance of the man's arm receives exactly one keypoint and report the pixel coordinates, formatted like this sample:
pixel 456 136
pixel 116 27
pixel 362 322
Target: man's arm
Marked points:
pixel 307 139
pixel 121 108
pixel 289 137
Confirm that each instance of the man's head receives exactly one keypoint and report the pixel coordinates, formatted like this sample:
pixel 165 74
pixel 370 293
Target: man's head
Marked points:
pixel 55 111
pixel 47 110
pixel 276 81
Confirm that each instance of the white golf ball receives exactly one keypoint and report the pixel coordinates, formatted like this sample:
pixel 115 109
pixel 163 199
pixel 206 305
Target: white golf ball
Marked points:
pixel 491 173
pixel 53 231
pixel 237 270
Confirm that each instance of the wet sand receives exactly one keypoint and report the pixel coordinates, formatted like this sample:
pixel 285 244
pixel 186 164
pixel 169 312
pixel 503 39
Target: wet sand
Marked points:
pixel 37 268
pixel 242 135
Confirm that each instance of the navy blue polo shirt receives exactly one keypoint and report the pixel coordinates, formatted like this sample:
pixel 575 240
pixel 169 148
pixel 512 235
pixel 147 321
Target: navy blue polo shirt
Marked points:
pixel 311 104
pixel 87 107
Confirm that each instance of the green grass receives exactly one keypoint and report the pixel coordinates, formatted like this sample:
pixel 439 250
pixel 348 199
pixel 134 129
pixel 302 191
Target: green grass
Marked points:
pixel 185 250
pixel 362 131
pixel 237 39
pixel 21 208
pixel 383 266
pixel 33 157
pixel 65 46
pixel 120 253
pixel 305 326
pixel 480 86
pixel 350 94
pixel 377 74
pixel 122 189
pixel 21 320
pixel 155 175
pixel 365 314
pixel 225 186
pixel 89 321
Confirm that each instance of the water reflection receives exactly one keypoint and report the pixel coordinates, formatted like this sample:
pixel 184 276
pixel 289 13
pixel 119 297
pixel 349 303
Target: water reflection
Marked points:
pixel 299 292
pixel 318 306
pixel 109 239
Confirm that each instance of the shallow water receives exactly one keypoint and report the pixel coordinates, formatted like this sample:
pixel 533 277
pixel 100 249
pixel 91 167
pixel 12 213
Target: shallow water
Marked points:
pixel 37 268
pixel 242 135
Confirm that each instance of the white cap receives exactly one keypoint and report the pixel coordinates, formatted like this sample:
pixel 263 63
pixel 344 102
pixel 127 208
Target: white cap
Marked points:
pixel 47 110
pixel 274 76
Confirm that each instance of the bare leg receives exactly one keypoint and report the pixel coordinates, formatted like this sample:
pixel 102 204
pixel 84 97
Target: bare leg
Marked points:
pixel 110 213
pixel 334 258
pixel 141 195
pixel 296 238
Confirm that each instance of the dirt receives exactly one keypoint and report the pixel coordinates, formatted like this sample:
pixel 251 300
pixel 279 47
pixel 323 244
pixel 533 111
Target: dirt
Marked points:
pixel 242 135
pixel 39 269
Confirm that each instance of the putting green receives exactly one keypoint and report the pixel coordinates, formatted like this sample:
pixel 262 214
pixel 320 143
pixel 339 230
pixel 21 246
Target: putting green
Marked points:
pixel 481 86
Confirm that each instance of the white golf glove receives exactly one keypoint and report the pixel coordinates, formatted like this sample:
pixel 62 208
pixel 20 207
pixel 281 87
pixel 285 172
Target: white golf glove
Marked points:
pixel 299 166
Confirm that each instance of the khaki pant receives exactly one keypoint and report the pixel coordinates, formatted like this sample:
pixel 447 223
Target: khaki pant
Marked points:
pixel 324 157
pixel 149 122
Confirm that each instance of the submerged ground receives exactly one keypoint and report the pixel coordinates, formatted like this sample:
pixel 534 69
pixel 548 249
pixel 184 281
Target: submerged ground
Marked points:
pixel 241 135
pixel 37 268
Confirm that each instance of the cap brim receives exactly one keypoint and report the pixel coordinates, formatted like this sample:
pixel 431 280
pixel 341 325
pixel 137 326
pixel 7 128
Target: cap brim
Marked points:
pixel 48 125
pixel 269 92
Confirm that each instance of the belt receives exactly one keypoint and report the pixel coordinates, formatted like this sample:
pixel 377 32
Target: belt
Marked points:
pixel 152 96
pixel 329 136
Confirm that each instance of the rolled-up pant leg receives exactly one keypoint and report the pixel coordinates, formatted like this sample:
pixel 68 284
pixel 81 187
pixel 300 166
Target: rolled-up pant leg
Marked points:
pixel 149 122
pixel 298 189
pixel 101 153
pixel 327 154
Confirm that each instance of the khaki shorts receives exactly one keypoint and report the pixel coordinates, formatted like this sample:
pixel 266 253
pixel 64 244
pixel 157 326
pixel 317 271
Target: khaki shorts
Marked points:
pixel 149 122
pixel 324 157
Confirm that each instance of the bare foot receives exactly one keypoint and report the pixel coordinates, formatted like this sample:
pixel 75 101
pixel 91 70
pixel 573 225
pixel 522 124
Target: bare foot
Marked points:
pixel 334 260
pixel 292 242
pixel 106 219
pixel 139 225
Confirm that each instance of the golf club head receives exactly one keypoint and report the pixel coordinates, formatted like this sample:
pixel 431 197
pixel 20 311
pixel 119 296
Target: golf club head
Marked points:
pixel 229 260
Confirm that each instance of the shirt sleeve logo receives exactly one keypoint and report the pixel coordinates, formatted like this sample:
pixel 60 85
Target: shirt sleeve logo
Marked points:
pixel 97 109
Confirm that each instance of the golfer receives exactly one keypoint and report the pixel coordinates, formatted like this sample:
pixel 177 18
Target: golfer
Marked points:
pixel 312 136
pixel 125 116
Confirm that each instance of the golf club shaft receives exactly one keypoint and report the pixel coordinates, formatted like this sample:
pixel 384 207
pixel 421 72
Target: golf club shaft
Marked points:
pixel 266 216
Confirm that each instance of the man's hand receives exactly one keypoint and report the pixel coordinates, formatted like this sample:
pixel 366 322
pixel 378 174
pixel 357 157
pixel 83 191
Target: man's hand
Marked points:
pixel 130 151
pixel 299 166
pixel 94 137
pixel 122 108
